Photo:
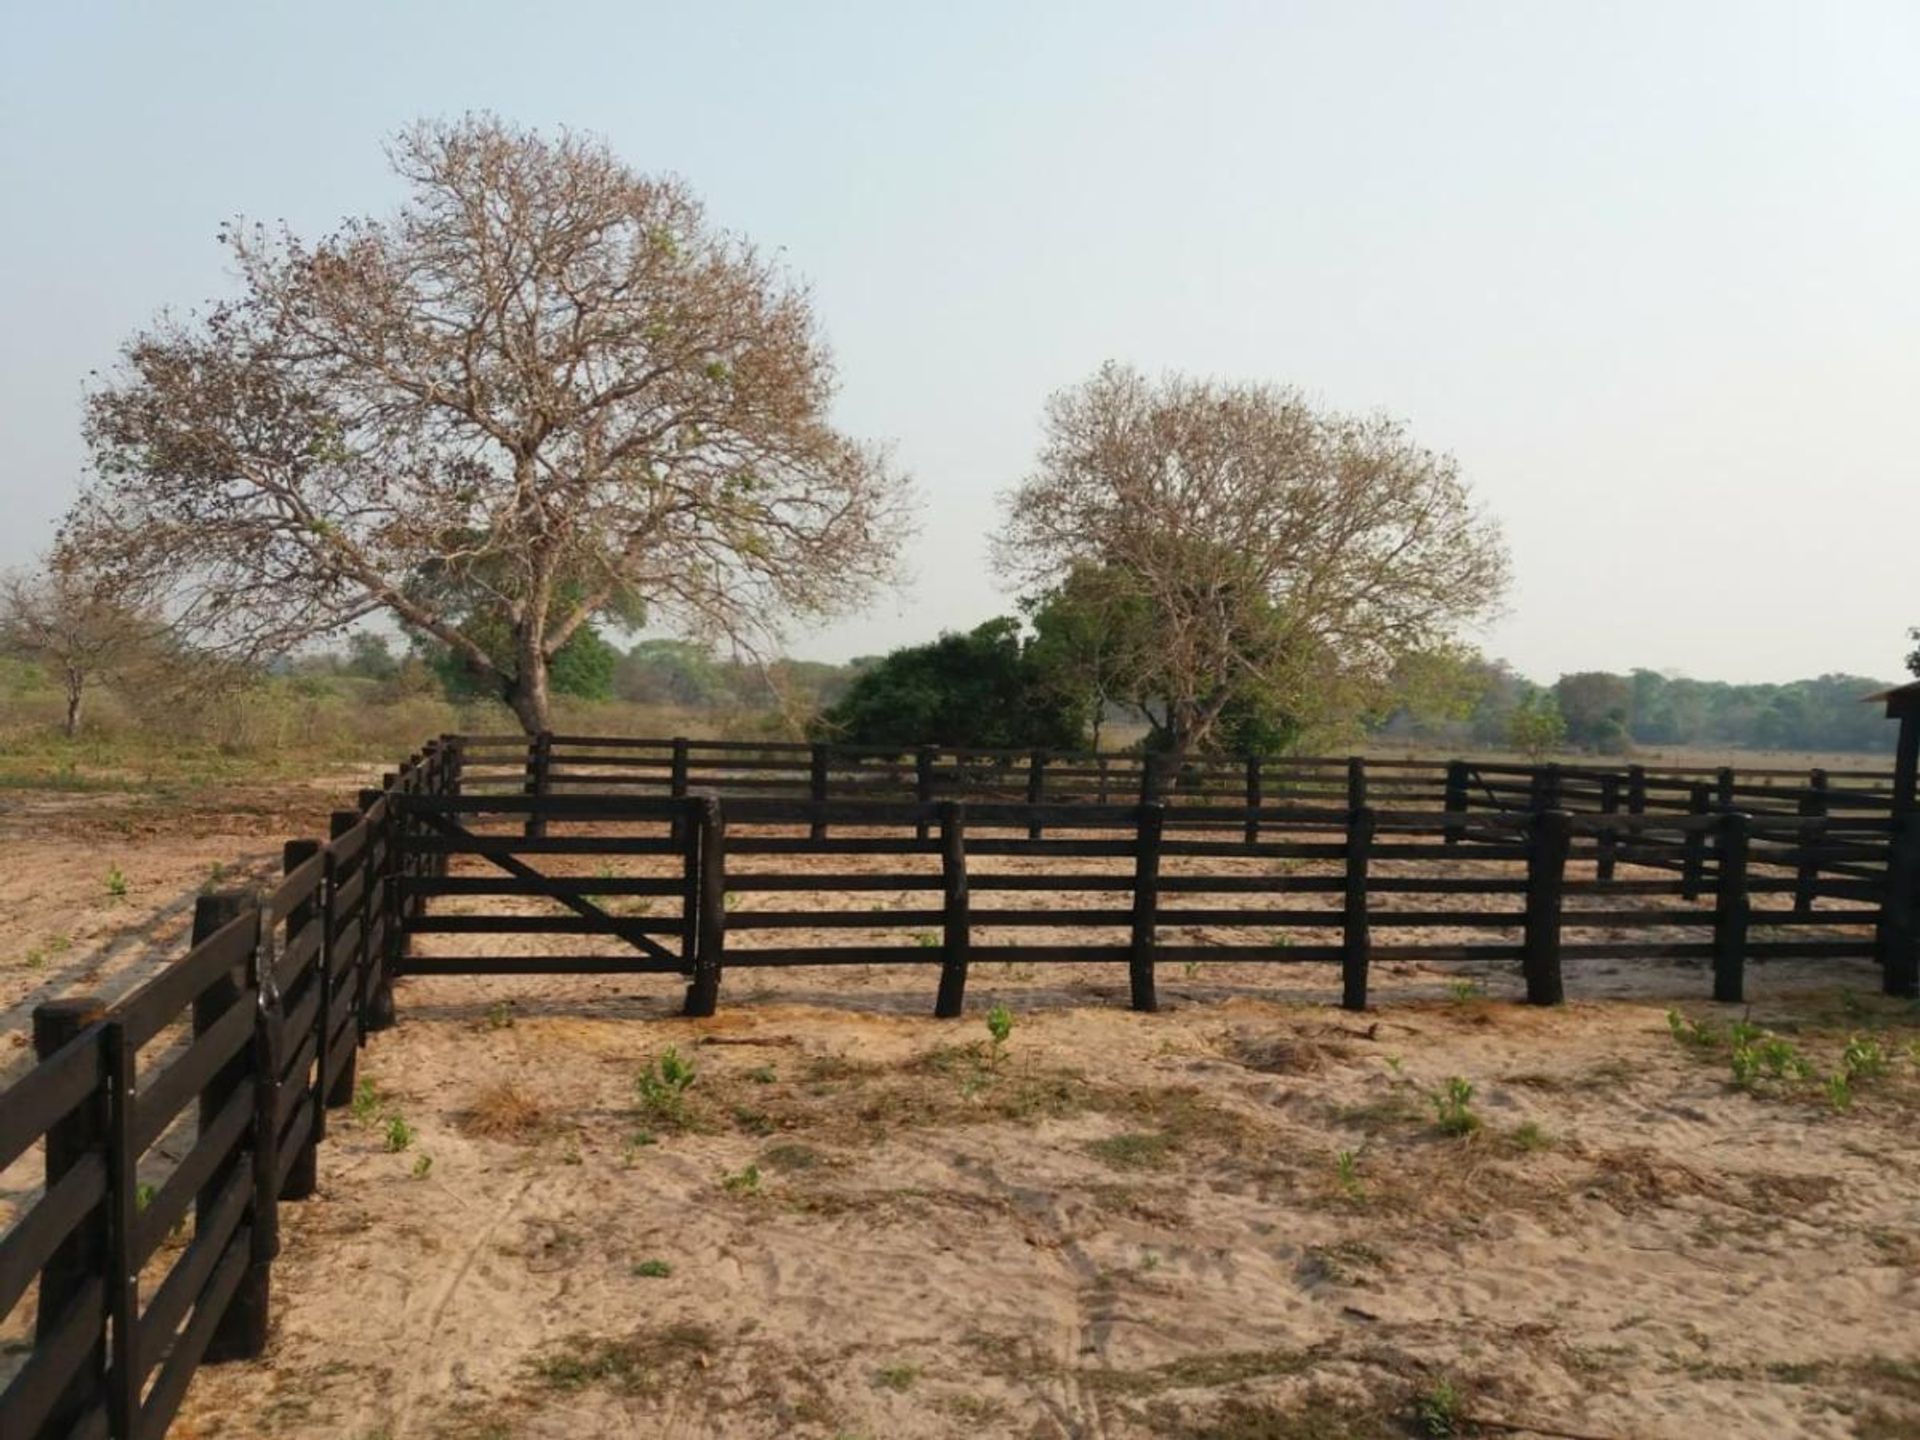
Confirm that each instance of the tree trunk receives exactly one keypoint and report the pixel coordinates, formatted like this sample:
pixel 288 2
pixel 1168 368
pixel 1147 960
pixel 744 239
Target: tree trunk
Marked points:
pixel 76 685
pixel 529 697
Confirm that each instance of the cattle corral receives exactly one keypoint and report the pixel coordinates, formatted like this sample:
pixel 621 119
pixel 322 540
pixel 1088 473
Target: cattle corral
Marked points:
pixel 1049 880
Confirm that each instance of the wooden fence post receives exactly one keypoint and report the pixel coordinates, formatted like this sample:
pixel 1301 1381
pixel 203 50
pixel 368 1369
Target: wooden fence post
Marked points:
pixel 677 785
pixel 303 1176
pixel 1730 909
pixel 124 1371
pixel 539 779
pixel 376 992
pixel 1356 783
pixel 455 774
pixel 922 788
pixel 687 823
pixel 1101 765
pixel 1355 937
pixel 1456 801
pixel 1724 785
pixel 85 1256
pixel 240 1333
pixel 1547 787
pixel 1036 790
pixel 1693 856
pixel 1609 837
pixel 703 994
pixel 1550 838
pixel 1813 805
pixel 817 789
pixel 1636 789
pixel 1150 778
pixel 1254 789
pixel 1896 937
pixel 351 975
pixel 1146 904
pixel 956 939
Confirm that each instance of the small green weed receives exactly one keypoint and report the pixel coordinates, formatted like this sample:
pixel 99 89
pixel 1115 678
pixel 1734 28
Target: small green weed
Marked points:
pixel 1863 1059
pixel 399 1134
pixel 662 1088
pixel 500 1015
pixel 367 1100
pixel 742 1182
pixel 999 1026
pixel 1463 991
pixel 1529 1136
pixel 926 939
pixel 653 1269
pixel 422 1166
pixel 898 1378
pixel 1762 1056
pixel 1347 1170
pixel 1440 1410
pixel 1695 1034
pixel 1452 1107
pixel 116 883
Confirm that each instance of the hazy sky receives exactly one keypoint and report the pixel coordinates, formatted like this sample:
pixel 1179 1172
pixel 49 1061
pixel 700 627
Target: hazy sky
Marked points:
pixel 1649 270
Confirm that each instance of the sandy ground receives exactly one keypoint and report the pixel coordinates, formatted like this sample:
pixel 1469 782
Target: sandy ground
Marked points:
pixel 856 1220
pixel 68 926
pixel 868 1223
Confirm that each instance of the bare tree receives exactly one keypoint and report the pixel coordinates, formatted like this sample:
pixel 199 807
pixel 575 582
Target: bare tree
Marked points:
pixel 74 626
pixel 546 389
pixel 1272 545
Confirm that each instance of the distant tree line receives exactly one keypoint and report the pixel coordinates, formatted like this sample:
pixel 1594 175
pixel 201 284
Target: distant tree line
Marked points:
pixel 993 686
pixel 1604 713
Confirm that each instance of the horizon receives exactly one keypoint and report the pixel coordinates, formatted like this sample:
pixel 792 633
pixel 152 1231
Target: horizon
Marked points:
pixel 1646 274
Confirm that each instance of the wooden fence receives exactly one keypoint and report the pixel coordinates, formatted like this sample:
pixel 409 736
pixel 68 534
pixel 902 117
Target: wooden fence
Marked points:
pixel 1284 885
pixel 173 1123
pixel 564 764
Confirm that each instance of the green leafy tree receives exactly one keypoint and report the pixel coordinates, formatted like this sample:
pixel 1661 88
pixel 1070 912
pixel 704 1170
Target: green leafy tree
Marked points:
pixel 1536 728
pixel 370 657
pixel 1597 708
pixel 984 687
pixel 1100 638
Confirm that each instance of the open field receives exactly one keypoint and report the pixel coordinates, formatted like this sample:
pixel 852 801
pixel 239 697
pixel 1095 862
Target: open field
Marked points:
pixel 859 1221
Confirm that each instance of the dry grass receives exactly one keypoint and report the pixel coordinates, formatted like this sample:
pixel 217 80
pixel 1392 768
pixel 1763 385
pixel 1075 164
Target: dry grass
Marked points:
pixel 505 1111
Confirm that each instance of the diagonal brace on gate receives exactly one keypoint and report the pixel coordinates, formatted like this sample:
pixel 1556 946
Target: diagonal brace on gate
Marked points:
pixel 579 904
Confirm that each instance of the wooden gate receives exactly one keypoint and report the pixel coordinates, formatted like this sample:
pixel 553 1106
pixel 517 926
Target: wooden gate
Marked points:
pixel 515 865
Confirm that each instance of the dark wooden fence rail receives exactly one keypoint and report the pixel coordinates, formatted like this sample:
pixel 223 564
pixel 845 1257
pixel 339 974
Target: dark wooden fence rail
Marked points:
pixel 174 1122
